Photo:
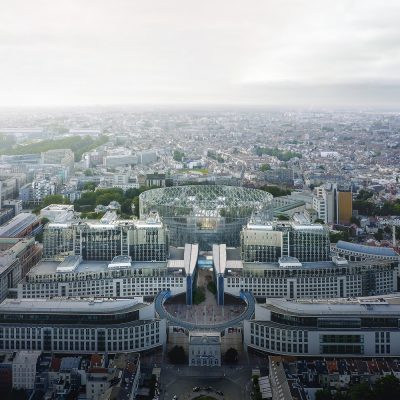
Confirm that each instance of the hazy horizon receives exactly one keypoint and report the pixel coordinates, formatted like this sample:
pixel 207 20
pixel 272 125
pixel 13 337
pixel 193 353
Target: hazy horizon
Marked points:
pixel 278 53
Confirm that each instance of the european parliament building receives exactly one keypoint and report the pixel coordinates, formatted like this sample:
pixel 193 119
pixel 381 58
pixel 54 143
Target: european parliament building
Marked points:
pixel 102 240
pixel 289 259
pixel 290 267
pixel 364 327
pixel 80 325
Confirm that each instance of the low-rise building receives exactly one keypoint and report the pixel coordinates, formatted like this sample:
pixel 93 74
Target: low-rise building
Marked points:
pixel 204 349
pixel 24 369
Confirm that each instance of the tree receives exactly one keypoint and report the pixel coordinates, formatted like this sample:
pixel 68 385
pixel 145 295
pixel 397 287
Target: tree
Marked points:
pixel 319 221
pixel 198 295
pixel 126 207
pixel 387 388
pixel 364 195
pixel 355 220
pixel 282 217
pixel 365 207
pixel 177 355
pixel 323 394
pixel 275 190
pixel 379 235
pixel 212 287
pixel 334 237
pixel 178 155
pixel 89 186
pixel 265 167
pixel 362 391
pixel 54 199
pixel 231 355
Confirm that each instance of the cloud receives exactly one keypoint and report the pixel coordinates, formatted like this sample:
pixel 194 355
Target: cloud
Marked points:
pixel 185 51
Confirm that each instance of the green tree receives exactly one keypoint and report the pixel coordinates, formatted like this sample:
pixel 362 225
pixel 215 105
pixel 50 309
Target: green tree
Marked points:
pixel 364 195
pixel 231 356
pixel 365 207
pixel 198 295
pixel 275 190
pixel 282 217
pixel 387 388
pixel 323 394
pixel 126 207
pixel 212 287
pixel 86 202
pixel 54 199
pixel 379 235
pixel 336 236
pixel 178 155
pixel 355 220
pixel 265 167
pixel 362 391
pixel 89 186
pixel 177 355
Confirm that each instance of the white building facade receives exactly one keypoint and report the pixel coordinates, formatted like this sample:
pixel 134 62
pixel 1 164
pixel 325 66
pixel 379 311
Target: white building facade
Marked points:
pixel 80 325
pixel 364 327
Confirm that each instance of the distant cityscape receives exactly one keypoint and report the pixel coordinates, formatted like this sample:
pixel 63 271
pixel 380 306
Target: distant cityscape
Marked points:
pixel 245 254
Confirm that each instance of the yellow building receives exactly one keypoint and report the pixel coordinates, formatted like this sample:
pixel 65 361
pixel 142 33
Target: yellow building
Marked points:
pixel 344 207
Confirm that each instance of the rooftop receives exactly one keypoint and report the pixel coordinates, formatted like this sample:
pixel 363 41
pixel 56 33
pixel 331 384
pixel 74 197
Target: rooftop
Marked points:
pixel 86 267
pixel 17 224
pixel 70 305
pixel 26 357
pixel 375 305
pixel 370 250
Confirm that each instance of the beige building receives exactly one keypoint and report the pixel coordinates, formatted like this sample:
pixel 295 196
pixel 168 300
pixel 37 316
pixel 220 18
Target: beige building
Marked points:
pixel 204 349
pixel 24 369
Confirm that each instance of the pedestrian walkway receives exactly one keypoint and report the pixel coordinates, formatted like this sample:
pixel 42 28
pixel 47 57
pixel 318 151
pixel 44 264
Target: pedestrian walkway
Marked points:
pixel 202 316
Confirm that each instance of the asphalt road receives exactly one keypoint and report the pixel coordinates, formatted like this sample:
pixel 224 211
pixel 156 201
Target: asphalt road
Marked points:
pixel 179 381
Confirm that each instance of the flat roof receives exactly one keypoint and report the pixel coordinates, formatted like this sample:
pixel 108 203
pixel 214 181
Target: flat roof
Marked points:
pixel 363 306
pixel 17 224
pixel 51 267
pixel 371 250
pixel 70 305
pixel 312 265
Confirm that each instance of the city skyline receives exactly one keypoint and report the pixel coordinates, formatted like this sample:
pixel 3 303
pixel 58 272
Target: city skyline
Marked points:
pixel 286 53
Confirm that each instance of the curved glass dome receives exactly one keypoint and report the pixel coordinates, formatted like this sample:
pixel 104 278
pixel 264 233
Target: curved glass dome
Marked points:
pixel 204 214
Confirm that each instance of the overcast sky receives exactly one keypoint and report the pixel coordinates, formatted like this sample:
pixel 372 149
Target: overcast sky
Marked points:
pixel 272 52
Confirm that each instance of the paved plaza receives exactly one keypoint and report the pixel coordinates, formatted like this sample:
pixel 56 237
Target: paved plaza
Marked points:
pixel 207 312
pixel 204 314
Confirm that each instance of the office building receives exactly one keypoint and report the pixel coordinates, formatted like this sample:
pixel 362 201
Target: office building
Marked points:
pixel 80 325
pixel 119 278
pixel 17 257
pixel 361 327
pixel 143 240
pixel 24 224
pixel 42 188
pixel 59 156
pixel 266 242
pixel 333 203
